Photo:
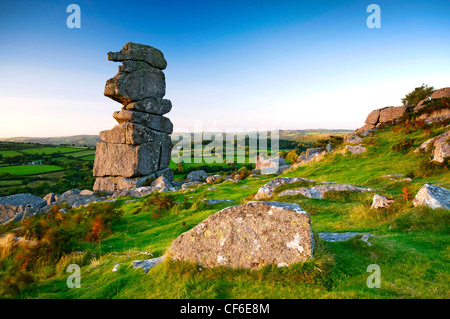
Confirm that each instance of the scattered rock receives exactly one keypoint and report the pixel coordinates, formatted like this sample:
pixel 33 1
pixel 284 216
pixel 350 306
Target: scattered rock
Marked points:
pixel 211 201
pixel 86 192
pixel 162 183
pixel 51 198
pixel 356 149
pixel 116 267
pixel 275 165
pixel 440 145
pixel 211 188
pixel 135 192
pixel 197 176
pixel 14 207
pixel 248 236
pixel 355 139
pixel 340 236
pixel 266 191
pixel 318 191
pixel 432 196
pixel 380 202
pixel 191 184
pixel 148 264
pixel 213 179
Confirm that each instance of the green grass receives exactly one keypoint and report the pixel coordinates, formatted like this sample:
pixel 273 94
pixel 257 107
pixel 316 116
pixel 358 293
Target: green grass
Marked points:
pixel 88 158
pixel 81 153
pixel 29 169
pixel 10 153
pixel 51 150
pixel 411 244
pixel 10 183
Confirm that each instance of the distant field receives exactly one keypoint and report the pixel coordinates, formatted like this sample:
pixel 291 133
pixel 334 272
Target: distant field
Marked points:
pixel 9 153
pixel 88 158
pixel 29 169
pixel 10 183
pixel 51 150
pixel 82 153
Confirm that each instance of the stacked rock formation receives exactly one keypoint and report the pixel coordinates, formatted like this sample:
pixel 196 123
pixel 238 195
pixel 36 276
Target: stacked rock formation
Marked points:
pixel 136 151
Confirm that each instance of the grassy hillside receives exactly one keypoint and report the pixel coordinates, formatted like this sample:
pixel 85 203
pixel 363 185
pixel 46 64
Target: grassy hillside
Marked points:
pixel 410 247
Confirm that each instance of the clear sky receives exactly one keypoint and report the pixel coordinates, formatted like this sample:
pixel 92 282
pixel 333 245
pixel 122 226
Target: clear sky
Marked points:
pixel 232 65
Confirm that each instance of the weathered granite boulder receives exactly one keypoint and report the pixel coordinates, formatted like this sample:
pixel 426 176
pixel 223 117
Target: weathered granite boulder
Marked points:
pixel 148 263
pixel 358 149
pixel 373 117
pixel 380 202
pixel 133 134
pixel 432 196
pixel 266 191
pixel 440 146
pixel 138 150
pixel 319 191
pixel 212 201
pixel 12 205
pixel 390 114
pixel 444 92
pixel 355 139
pixel 115 183
pixel 126 160
pixel 151 105
pixel 276 165
pixel 51 198
pixel 214 179
pixel 162 183
pixel 366 129
pixel 197 176
pixel 154 122
pixel 248 236
pixel 135 81
pixel 136 192
pixel 139 52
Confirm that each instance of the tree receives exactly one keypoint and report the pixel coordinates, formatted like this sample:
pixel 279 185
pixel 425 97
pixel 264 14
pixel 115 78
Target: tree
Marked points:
pixel 292 156
pixel 417 95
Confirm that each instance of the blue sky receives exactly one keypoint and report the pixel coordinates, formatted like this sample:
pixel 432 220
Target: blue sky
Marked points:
pixel 232 65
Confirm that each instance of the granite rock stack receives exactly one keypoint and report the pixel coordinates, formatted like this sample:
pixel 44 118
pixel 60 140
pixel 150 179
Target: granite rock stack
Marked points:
pixel 136 151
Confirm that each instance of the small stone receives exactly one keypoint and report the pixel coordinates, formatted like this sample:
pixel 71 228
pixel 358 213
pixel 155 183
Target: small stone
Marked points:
pixel 380 202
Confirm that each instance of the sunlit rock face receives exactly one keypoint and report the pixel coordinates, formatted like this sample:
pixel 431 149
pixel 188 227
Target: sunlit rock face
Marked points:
pixel 136 151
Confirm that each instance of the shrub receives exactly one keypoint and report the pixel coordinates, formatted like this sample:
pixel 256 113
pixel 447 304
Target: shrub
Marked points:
pixel 404 146
pixel 418 94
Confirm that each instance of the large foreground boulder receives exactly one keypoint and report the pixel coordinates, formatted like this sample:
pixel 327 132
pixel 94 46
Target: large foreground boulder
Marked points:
pixel 14 206
pixel 432 196
pixel 248 236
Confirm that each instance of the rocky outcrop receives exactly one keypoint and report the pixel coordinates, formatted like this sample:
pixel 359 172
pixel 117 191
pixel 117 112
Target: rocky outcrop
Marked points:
pixel 432 196
pixel 380 202
pixel 440 146
pixel 15 207
pixel 438 94
pixel 319 191
pixel 266 191
pixel 382 116
pixel 136 151
pixel 275 165
pixel 251 235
